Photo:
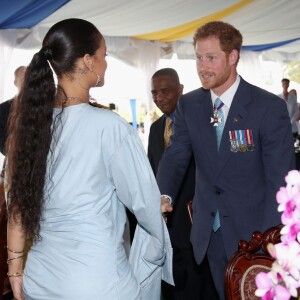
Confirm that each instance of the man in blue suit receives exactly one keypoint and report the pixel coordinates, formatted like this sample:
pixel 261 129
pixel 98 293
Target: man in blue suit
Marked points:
pixel 240 136
pixel 192 281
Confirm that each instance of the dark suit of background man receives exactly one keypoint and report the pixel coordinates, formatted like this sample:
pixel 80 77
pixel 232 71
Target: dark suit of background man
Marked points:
pixel 237 181
pixel 5 107
pixel 191 281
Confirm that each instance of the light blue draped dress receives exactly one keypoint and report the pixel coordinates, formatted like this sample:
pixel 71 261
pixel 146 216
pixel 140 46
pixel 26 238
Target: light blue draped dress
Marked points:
pixel 97 167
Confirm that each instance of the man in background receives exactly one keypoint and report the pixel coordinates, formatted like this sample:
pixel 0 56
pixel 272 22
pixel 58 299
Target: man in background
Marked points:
pixel 291 103
pixel 6 106
pixel 241 139
pixel 192 282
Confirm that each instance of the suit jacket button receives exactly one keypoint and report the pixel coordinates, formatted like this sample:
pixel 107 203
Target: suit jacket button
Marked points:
pixel 213 214
pixel 218 192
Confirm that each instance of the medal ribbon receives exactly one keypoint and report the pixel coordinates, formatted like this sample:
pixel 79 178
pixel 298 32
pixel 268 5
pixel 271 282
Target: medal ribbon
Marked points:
pixel 242 137
pixel 233 135
pixel 216 109
pixel 249 137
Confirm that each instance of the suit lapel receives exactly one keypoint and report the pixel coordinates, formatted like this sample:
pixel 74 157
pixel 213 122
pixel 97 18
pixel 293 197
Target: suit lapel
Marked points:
pixel 235 120
pixel 207 129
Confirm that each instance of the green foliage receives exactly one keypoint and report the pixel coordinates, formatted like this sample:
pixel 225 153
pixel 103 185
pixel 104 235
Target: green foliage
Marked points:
pixel 292 71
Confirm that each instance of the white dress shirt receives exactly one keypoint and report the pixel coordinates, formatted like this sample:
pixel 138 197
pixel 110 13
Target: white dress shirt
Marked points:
pixel 226 97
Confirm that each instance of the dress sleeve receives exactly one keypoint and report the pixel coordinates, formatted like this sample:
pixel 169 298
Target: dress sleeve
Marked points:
pixel 135 184
pixel 136 188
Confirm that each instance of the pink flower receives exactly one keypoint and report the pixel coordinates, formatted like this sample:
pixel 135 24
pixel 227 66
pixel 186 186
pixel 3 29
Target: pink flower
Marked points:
pixel 288 258
pixel 293 178
pixel 284 278
pixel 268 287
pixel 290 231
pixel 289 208
pixel 282 197
pixel 294 229
pixel 281 293
pixel 265 286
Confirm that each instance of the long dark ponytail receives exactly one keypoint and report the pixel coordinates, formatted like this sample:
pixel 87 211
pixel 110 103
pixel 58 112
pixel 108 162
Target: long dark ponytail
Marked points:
pixel 31 118
pixel 29 142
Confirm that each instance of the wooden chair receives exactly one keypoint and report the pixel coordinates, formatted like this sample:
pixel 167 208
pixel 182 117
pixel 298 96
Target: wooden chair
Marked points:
pixel 250 259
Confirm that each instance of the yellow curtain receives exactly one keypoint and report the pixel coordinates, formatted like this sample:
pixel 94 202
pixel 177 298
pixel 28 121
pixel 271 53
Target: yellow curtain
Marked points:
pixel 177 32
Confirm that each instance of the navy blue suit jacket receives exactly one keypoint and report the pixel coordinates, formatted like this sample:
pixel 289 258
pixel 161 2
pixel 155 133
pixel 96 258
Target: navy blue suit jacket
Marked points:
pixel 242 186
pixel 179 224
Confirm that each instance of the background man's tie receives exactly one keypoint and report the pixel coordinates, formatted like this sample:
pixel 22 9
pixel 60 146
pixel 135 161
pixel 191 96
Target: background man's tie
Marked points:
pixel 168 131
pixel 219 132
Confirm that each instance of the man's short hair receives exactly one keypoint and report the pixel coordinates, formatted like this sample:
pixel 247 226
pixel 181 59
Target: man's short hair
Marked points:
pixel 230 38
pixel 285 80
pixel 167 72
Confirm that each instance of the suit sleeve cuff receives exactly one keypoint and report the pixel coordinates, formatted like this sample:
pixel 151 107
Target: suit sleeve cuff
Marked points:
pixel 168 198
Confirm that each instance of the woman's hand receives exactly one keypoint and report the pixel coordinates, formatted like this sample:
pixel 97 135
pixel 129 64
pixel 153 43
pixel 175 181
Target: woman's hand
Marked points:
pixel 17 287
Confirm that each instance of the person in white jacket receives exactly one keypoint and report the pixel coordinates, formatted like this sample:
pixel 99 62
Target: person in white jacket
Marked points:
pixel 291 103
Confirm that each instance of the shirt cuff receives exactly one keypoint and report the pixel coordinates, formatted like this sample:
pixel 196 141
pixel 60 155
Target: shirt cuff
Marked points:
pixel 168 198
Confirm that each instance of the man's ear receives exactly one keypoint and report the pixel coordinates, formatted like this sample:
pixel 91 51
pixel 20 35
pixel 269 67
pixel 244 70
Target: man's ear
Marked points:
pixel 180 88
pixel 233 57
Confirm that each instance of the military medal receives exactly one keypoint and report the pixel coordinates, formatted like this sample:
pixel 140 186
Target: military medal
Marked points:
pixel 249 140
pixel 242 141
pixel 216 119
pixel 233 142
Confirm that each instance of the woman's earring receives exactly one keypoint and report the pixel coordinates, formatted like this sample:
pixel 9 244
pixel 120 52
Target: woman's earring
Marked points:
pixel 98 80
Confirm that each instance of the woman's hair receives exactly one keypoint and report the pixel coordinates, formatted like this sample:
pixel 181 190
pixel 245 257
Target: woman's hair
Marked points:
pixel 30 122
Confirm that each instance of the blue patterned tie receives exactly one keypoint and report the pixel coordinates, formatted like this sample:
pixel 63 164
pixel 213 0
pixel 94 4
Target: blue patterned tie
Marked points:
pixel 219 132
pixel 217 223
pixel 220 127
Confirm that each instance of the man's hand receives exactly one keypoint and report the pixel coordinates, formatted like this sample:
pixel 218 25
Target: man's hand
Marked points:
pixel 166 206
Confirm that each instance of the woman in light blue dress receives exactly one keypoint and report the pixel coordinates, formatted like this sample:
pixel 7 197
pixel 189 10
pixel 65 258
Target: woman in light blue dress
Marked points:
pixel 72 170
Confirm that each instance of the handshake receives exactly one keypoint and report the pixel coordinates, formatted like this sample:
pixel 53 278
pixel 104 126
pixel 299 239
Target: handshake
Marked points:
pixel 166 206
